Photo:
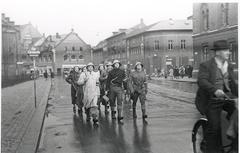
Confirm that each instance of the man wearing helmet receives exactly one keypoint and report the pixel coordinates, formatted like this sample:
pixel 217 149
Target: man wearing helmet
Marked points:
pixel 114 84
pixel 138 88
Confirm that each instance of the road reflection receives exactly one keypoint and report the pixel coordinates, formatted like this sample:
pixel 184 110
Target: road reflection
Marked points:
pixel 111 137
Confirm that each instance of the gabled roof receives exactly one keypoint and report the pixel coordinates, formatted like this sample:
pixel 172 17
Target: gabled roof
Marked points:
pixel 62 39
pixel 39 42
pixel 172 25
pixel 136 31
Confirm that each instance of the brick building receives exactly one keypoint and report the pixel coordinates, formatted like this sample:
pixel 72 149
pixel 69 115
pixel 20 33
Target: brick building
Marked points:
pixel 99 53
pixel 212 22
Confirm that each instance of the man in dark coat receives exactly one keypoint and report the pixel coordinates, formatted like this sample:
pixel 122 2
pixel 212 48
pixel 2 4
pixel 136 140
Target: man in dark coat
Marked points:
pixel 215 80
pixel 115 83
pixel 72 79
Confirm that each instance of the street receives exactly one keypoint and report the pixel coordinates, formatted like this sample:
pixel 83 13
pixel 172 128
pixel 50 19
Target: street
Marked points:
pixel 171 115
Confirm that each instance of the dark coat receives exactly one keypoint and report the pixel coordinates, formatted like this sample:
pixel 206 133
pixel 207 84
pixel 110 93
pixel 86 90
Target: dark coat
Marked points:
pixel 206 82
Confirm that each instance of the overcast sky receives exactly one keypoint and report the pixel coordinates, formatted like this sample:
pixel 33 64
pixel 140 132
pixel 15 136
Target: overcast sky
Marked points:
pixel 93 20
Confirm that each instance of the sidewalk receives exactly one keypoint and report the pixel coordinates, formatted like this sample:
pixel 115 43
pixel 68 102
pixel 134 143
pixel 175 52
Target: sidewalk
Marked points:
pixel 185 79
pixel 19 115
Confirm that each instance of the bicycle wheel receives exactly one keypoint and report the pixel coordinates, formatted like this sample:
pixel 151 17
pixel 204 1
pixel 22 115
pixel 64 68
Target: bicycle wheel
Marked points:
pixel 198 134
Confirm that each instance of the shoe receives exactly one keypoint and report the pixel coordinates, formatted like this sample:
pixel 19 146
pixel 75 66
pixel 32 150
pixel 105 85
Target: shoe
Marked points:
pixel 144 114
pixel 120 120
pixel 95 121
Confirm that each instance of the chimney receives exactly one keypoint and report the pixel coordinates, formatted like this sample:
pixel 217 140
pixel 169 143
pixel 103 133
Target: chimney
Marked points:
pixel 57 35
pixel 141 21
pixel 72 30
pixel 114 33
pixel 122 30
pixel 3 15
pixel 43 34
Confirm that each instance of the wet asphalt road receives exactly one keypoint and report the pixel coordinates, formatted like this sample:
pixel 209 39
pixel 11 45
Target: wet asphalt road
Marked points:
pixel 168 129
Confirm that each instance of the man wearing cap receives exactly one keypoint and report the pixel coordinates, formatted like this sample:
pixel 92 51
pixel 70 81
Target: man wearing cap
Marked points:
pixel 215 80
pixel 114 85
pixel 138 88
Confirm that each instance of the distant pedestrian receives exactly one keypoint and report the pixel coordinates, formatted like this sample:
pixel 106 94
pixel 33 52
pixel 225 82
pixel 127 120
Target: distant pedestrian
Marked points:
pixel 138 82
pixel 182 71
pixel 190 70
pixel 45 74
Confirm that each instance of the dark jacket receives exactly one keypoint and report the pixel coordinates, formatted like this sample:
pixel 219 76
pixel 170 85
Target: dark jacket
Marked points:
pixel 206 82
pixel 72 79
pixel 116 77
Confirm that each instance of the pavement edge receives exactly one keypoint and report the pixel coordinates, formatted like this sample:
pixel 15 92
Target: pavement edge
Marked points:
pixel 31 139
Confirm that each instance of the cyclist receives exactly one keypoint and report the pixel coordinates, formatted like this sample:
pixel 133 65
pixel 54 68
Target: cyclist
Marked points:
pixel 215 80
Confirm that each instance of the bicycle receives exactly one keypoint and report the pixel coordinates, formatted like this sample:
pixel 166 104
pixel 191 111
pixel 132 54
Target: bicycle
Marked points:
pixel 199 133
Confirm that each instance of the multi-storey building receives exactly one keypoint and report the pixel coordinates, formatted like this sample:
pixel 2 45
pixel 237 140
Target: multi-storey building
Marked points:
pixel 213 22
pixel 10 50
pixel 69 51
pixel 164 43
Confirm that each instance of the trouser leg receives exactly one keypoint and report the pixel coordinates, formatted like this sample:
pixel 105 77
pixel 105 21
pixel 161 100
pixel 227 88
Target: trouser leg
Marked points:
pixel 112 98
pixel 213 133
pixel 134 98
pixel 119 93
pixel 73 95
pixel 142 98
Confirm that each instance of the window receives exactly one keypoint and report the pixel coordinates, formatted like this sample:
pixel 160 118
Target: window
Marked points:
pixel 224 9
pixel 205 16
pixel 170 44
pixel 183 44
pixel 73 48
pixel 80 48
pixel 73 57
pixel 65 48
pixel 81 57
pixel 156 45
pixel 65 57
pixel 205 53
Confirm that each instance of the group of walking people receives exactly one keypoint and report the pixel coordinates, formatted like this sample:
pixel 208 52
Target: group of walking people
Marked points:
pixel 106 85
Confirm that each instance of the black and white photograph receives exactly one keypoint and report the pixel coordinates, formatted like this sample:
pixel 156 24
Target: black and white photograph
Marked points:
pixel 119 76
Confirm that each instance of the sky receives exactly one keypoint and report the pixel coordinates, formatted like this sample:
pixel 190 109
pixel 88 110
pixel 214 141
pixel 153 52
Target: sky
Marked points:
pixel 93 20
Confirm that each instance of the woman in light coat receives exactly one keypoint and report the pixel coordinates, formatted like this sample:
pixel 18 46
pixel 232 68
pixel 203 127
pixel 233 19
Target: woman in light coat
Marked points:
pixel 90 79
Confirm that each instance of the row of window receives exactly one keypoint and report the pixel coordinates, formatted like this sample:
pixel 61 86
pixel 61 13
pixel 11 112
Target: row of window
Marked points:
pixel 73 48
pixel 170 44
pixel 72 57
pixel 224 15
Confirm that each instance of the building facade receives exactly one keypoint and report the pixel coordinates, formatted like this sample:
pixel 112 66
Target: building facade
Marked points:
pixel 99 53
pixel 213 22
pixel 162 45
pixel 70 51
pixel 10 50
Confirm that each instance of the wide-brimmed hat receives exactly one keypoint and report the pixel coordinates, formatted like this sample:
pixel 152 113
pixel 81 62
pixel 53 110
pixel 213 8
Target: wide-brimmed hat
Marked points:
pixel 116 61
pixel 90 64
pixel 138 63
pixel 220 45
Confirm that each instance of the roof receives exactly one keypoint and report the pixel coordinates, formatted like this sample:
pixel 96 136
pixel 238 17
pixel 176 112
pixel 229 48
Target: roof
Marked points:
pixel 31 30
pixel 131 30
pixel 39 42
pixel 172 25
pixel 135 31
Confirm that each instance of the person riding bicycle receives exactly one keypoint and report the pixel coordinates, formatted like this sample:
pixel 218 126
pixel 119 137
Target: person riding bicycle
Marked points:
pixel 215 80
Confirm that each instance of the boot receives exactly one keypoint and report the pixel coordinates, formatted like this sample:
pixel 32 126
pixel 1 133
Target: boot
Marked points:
pixel 120 117
pixel 134 113
pixel 74 109
pixel 113 114
pixel 144 114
